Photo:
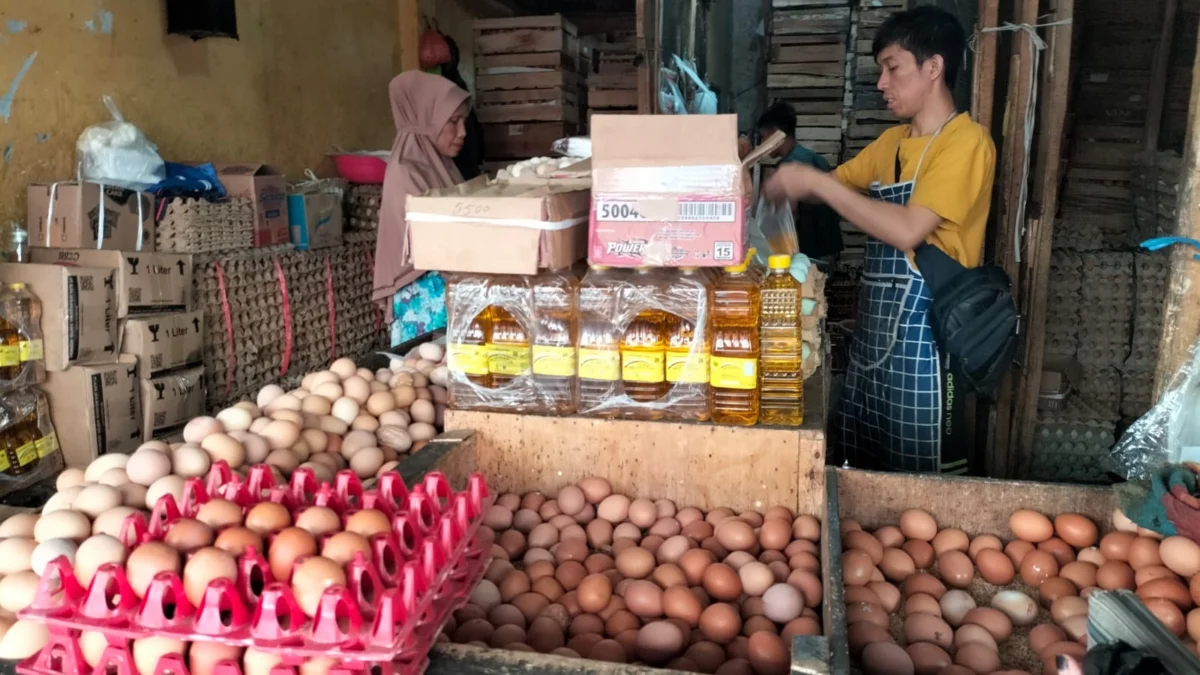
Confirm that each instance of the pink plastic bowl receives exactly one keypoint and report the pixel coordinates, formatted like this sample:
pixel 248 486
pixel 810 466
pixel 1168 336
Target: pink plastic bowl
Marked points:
pixel 366 169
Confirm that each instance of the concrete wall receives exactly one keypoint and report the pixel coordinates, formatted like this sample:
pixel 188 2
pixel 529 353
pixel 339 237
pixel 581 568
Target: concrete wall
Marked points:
pixel 305 74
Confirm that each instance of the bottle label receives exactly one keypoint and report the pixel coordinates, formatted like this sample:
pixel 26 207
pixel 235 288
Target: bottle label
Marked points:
pixel 554 361
pixel 734 373
pixel 32 350
pixel 468 359
pixel 600 364
pixel 687 367
pixel 10 355
pixel 47 445
pixel 643 366
pixel 508 360
pixel 26 454
pixel 5 465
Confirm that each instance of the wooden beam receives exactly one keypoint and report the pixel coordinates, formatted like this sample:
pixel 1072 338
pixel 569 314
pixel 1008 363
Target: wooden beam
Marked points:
pixel 1181 310
pixel 409 35
pixel 649 67
pixel 1008 231
pixel 983 90
pixel 1158 75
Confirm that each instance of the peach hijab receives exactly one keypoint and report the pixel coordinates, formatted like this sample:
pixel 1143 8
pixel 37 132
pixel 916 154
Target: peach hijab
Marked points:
pixel 421 106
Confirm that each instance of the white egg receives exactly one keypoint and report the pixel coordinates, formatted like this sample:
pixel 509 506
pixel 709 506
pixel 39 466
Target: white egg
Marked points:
pixel 268 394
pixel 147 465
pixel 200 428
pixel 235 419
pixel 345 409
pixel 70 477
pixel 1019 607
pixel 49 550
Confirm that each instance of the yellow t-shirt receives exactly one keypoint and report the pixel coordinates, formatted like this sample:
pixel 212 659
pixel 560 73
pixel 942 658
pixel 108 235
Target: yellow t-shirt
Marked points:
pixel 955 181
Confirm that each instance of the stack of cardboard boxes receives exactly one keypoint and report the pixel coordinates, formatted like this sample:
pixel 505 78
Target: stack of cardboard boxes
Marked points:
pixel 118 324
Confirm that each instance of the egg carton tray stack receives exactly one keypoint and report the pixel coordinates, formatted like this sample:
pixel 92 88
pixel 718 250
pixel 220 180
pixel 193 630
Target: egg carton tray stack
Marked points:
pixel 1063 304
pixel 362 205
pixel 421 564
pixel 1155 192
pixel 259 321
pixel 1107 299
pixel 1150 289
pixel 199 226
pixel 1095 232
pixel 1102 388
pixel 1072 444
pixel 1137 392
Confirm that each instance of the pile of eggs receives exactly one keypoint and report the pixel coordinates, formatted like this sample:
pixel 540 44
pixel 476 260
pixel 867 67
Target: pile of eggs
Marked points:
pixel 596 575
pixel 976 606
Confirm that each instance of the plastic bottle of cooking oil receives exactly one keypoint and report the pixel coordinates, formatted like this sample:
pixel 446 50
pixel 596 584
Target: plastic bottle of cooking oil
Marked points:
pixel 782 390
pixel 734 370
pixel 32 350
pixel 10 340
pixel 599 371
pixel 644 343
pixel 689 345
pixel 509 345
pixel 468 330
pixel 754 265
pixel 555 331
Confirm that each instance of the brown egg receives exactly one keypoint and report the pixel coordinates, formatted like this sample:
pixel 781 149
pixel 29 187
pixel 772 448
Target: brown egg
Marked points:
pixel 506 635
pixel 645 599
pixel 594 592
pixel 1148 574
pixel 805 561
pixel 1194 589
pixel 1115 545
pixel 268 517
pixel 203 567
pixel 288 545
pixel 956 569
pixel 548 588
pixel 922 583
pixel 863 633
pixel 1167 589
pixel 236 540
pixel 977 658
pixel 885 658
pixel 571 549
pixel 1016 550
pixel 1067 607
pixel 1058 548
pixel 680 603
pixel 1076 530
pixel 889 536
pixel 921 603
pixel 983 542
pixel 720 623
pixel 809 584
pixel 570 574
pixel 969 632
pixel 598 562
pixel 148 560
pixel 533 604
pixel 857 568
pixel 804 625
pixel 368 523
pixel 514 583
pixel 635 563
pixel 928 659
pixel 995 567
pixel 918 524
pixel 1037 566
pixel 1143 552
pixel 1168 614
pixel 993 620
pixel 1193 624
pixel 659 641
pixel 806 527
pixel 721 582
pixel 545 635
pixel 1093 555
pixel 861 541
pixel 1181 555
pixel 342 547
pixel 921 552
pixel 889 595
pixel 928 628
pixel 693 563
pixel 585 624
pixel 897 565
pixel 1030 526
pixel 1044 635
pixel 951 539
pixel 319 520
pixel 697 530
pixel 775 535
pixel 187 535
pixel 1115 574
pixel 1055 588
pixel 861 594
pixel 769 655
pixel 735 534
pixel 1082 574
pixel 504 615
pixel 310 580
pixel 218 513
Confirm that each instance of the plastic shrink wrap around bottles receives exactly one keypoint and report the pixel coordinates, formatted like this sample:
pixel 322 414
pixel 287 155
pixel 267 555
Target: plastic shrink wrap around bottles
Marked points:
pixel 632 344
pixel 29 450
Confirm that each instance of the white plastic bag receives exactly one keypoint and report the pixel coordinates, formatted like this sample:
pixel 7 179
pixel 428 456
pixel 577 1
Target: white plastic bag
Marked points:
pixel 1170 432
pixel 118 153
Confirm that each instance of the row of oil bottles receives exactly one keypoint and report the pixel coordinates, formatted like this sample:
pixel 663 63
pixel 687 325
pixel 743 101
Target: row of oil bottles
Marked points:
pixel 29 447
pixel 683 344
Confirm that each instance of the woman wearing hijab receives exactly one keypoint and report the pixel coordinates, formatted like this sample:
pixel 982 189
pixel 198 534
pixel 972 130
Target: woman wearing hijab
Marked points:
pixel 429 112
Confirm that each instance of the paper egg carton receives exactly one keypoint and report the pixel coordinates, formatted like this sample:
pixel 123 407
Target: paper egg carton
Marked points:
pixel 1073 444
pixel 1137 391
pixel 257 316
pixel 1154 188
pixel 1095 232
pixel 199 226
pixel 1102 388
pixel 362 207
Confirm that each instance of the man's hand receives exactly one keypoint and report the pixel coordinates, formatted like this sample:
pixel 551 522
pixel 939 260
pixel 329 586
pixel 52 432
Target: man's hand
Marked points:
pixel 793 182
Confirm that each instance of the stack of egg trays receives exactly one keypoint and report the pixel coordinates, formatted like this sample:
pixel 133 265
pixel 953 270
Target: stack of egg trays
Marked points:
pixel 200 226
pixel 1063 304
pixel 1073 445
pixel 255 301
pixel 1150 290
pixel 418 574
pixel 1107 295
pixel 362 207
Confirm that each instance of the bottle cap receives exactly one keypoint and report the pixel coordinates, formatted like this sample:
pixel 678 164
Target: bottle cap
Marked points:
pixel 599 267
pixel 736 269
pixel 779 262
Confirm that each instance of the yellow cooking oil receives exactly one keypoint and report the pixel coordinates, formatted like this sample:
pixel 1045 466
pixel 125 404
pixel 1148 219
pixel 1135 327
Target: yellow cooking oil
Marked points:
pixel 31 347
pixel 555 332
pixel 10 339
pixel 689 345
pixel 509 345
pixel 781 394
pixel 734 363
pixel 468 330
pixel 644 344
pixel 599 365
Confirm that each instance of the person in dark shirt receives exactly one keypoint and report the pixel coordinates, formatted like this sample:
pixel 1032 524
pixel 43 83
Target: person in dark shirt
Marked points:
pixel 470 160
pixel 818 227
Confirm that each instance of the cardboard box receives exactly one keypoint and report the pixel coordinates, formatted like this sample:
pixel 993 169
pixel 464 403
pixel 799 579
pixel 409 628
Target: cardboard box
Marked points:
pixel 68 215
pixel 79 311
pixel 164 341
pixel 502 228
pixel 315 220
pixel 96 410
pixel 170 399
pixel 146 282
pixel 669 191
pixel 267 189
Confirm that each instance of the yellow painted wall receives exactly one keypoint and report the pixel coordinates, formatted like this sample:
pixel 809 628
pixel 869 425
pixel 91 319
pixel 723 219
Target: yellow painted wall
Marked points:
pixel 305 74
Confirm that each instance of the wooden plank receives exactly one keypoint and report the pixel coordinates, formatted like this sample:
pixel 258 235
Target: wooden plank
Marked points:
pixel 522 141
pixel 818 107
pixel 537 111
pixel 806 53
pixel 807 22
pixel 409 35
pixel 522 40
pixel 1181 311
pixel 543 80
pixel 983 88
pixel 824 69
pixel 530 60
pixel 818 134
pixel 819 121
pixel 791 4
pixel 819 39
pixel 1158 75
pixel 807 93
pixel 795 81
pixel 524 22
pixel 612 98
pixel 501 96
pixel 619 81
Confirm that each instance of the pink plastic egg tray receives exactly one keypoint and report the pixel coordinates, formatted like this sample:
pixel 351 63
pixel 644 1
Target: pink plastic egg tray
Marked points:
pixel 431 555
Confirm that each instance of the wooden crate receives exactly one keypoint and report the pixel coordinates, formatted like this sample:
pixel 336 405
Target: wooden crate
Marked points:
pixel 547 79
pixel 974 505
pixel 811 21
pixel 523 140
pixel 546 60
pixel 527 105
pixel 612 92
pixel 525 34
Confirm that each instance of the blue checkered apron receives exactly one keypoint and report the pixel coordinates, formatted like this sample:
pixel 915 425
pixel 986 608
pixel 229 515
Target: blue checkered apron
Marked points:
pixel 890 416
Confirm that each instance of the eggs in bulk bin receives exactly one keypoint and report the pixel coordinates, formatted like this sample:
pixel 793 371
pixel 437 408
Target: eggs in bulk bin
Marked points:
pixel 596 575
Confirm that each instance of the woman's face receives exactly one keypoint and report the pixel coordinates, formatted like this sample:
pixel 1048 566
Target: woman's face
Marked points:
pixel 450 140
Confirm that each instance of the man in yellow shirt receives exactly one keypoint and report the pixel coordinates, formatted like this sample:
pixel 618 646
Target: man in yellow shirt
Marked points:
pixel 925 182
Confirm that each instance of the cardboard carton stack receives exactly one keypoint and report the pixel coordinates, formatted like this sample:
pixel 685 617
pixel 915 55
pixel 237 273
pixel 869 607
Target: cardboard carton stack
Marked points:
pixel 527 84
pixel 1137 375
pixel 807 67
pixel 1063 304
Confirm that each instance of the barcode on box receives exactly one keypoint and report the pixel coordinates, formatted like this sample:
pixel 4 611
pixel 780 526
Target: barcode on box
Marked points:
pixel 723 250
pixel 156 361
pixel 110 378
pixel 708 212
pixel 87 284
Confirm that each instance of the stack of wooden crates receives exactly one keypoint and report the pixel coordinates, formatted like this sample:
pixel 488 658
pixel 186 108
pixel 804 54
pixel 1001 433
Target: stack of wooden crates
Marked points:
pixel 528 85
pixel 613 88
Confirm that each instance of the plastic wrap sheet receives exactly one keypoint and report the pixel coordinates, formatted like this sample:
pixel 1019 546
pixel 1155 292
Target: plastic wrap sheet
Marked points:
pixel 508 354
pixel 1170 432
pixel 29 450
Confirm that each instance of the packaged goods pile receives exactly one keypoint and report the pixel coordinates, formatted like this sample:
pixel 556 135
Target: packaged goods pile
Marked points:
pixel 594 574
pixel 689 344
pixel 986 605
